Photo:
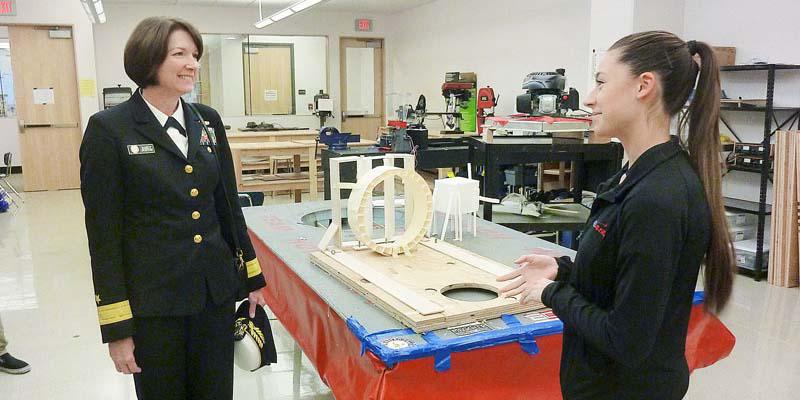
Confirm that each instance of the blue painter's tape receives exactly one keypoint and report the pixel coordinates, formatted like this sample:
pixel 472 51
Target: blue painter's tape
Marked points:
pixel 359 331
pixel 528 344
pixel 699 297
pixel 510 320
pixel 430 344
pixel 441 361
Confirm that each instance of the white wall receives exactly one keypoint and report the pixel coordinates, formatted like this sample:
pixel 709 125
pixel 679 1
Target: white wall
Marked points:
pixel 54 12
pixel 110 41
pixel 661 15
pixel 500 41
pixel 767 31
pixel 609 20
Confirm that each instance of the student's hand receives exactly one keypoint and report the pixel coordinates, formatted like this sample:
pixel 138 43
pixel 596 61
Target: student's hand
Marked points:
pixel 525 280
pixel 256 298
pixel 121 352
pixel 536 290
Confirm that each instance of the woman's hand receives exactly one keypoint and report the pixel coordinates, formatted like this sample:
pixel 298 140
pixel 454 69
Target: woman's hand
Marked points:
pixel 535 272
pixel 256 298
pixel 121 352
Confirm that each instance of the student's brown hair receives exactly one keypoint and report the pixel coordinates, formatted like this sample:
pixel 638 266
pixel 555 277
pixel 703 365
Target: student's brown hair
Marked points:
pixel 673 61
pixel 147 48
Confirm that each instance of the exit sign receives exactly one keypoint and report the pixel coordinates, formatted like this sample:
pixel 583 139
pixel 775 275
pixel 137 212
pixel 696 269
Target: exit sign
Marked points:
pixel 8 7
pixel 364 25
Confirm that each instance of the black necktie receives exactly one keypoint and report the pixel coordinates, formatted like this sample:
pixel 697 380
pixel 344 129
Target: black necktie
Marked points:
pixel 173 123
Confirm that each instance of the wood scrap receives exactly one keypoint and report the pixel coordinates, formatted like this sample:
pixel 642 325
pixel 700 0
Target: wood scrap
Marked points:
pixel 784 258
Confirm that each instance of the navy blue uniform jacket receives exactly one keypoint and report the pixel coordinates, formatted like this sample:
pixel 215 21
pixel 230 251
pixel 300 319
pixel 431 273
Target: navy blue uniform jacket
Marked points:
pixel 158 224
pixel 626 300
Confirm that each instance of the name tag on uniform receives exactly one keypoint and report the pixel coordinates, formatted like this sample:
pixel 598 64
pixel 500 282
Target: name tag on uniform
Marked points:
pixel 137 149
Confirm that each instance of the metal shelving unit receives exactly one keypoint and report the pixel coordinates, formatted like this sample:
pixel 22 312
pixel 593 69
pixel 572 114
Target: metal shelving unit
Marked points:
pixel 769 117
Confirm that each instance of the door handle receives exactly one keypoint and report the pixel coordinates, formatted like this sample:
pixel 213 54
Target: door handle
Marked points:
pixel 23 125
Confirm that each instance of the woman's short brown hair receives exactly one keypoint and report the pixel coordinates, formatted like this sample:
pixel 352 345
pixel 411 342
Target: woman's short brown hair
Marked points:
pixel 147 48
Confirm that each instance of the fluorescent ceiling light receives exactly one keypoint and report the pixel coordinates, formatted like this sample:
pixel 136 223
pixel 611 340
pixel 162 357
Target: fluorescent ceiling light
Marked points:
pixel 281 14
pixel 94 9
pixel 303 5
pixel 286 12
pixel 264 22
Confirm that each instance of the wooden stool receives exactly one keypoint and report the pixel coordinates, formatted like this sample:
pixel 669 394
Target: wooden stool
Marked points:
pixel 286 162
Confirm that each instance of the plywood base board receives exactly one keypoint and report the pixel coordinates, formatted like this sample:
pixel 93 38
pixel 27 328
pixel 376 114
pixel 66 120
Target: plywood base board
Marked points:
pixel 426 273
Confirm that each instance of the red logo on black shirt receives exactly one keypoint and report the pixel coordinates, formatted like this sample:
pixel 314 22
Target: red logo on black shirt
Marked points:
pixel 601 228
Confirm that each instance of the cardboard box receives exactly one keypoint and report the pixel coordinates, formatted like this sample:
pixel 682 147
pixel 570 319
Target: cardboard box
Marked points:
pixel 725 55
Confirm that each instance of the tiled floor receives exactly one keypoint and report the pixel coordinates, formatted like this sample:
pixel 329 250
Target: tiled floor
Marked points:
pixel 47 307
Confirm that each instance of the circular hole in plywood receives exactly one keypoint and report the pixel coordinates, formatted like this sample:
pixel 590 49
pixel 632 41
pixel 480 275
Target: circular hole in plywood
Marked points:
pixel 469 292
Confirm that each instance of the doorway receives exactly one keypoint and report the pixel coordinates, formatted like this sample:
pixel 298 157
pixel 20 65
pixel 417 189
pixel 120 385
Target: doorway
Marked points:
pixel 361 66
pixel 47 105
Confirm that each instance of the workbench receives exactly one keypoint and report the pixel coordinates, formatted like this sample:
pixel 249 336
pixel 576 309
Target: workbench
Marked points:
pixel 301 152
pixel 297 181
pixel 442 152
pixel 593 162
pixel 272 136
pixel 361 352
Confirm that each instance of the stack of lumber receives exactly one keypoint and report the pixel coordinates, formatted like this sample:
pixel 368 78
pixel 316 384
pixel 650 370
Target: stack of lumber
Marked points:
pixel 784 265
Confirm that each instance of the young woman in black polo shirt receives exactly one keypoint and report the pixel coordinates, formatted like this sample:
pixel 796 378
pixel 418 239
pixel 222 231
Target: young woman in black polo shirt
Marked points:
pixel 625 300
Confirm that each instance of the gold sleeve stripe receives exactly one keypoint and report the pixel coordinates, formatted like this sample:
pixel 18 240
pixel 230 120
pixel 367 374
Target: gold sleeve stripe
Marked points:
pixel 116 312
pixel 253 268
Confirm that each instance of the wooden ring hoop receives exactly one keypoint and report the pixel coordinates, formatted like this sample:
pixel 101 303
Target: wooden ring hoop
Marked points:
pixel 418 203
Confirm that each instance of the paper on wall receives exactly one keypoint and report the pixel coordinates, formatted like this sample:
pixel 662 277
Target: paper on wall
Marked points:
pixel 44 96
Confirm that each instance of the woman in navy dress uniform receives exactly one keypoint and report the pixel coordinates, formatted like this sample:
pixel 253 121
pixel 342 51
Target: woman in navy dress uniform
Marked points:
pixel 163 222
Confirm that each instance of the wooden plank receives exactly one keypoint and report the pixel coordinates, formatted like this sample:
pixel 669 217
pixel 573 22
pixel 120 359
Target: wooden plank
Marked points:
pixel 396 290
pixel 427 272
pixel 271 146
pixel 777 232
pixel 278 136
pixel 246 133
pixel 793 275
pixel 784 245
pixel 490 266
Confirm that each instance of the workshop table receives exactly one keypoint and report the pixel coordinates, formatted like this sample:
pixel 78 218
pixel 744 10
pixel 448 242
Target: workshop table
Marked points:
pixel 272 136
pixel 604 159
pixel 362 143
pixel 547 222
pixel 296 181
pixel 441 153
pixel 361 352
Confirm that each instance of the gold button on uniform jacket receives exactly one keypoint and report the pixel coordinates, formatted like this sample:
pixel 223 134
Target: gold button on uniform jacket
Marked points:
pixel 158 223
